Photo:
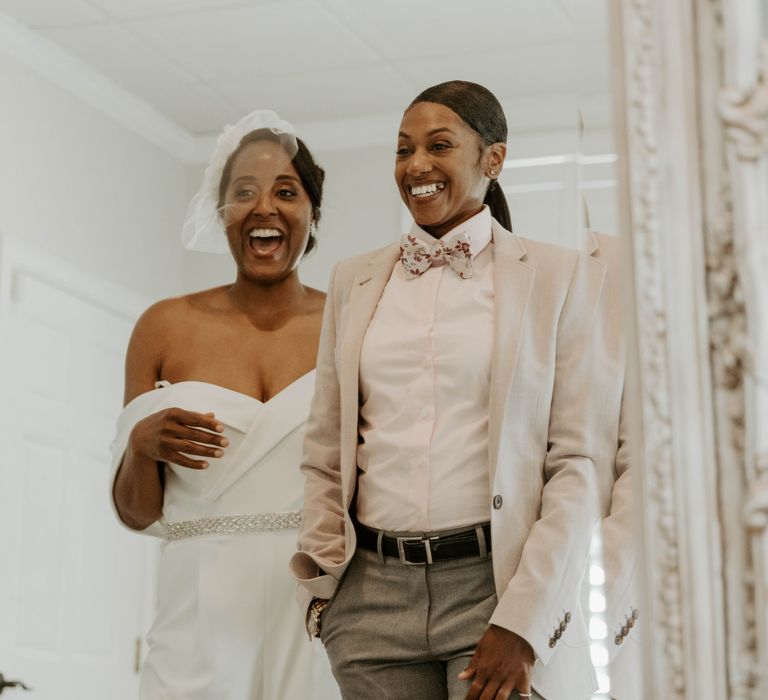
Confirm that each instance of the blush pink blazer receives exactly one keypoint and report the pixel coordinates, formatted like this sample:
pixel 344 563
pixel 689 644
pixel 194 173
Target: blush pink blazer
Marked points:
pixel 549 473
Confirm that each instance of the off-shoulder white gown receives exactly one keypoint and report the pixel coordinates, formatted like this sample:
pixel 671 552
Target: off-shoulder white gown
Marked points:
pixel 227 626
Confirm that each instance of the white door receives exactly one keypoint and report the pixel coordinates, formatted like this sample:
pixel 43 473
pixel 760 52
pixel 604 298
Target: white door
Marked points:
pixel 73 583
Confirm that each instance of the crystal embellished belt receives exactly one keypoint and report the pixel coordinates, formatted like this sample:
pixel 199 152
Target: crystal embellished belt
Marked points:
pixel 232 524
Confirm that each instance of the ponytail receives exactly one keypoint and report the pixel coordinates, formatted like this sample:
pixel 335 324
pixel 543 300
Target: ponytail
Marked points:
pixel 497 203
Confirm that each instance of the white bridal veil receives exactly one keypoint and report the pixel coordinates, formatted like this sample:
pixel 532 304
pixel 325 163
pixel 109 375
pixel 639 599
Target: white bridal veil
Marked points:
pixel 203 229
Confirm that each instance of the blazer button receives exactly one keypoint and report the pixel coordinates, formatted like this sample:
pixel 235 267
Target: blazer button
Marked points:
pixel 497 501
pixel 624 631
pixel 631 622
pixel 619 639
pixel 567 618
pixel 558 634
pixel 552 642
pixel 563 625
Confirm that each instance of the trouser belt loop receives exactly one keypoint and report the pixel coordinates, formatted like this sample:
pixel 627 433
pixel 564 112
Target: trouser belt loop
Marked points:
pixel 428 548
pixel 481 541
pixel 379 550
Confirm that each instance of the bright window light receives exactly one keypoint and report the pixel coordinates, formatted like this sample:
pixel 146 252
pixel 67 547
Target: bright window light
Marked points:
pixel 561 159
pixel 599 655
pixel 604 681
pixel 596 601
pixel 597 628
pixel 534 187
pixel 598 159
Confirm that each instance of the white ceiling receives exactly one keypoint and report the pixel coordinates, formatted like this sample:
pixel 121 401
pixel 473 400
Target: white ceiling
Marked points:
pixel 203 63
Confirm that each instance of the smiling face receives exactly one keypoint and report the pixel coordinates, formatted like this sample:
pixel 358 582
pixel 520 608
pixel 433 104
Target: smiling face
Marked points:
pixel 441 167
pixel 266 212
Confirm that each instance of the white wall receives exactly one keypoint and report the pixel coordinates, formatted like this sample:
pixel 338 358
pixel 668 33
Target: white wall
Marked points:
pixel 90 201
pixel 78 187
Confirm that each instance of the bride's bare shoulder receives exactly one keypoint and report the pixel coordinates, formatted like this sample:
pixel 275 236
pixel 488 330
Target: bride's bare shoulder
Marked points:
pixel 315 299
pixel 207 300
pixel 165 314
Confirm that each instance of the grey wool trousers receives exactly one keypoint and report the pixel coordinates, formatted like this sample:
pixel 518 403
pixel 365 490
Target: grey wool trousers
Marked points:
pixel 399 632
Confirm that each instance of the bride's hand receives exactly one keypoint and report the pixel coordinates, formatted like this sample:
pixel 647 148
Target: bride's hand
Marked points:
pixel 173 434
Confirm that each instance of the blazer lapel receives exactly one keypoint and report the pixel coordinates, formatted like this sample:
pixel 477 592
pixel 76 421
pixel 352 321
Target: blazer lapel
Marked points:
pixel 364 296
pixel 513 282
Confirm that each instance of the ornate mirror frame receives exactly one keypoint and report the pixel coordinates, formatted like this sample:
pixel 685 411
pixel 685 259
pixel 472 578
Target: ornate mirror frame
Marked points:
pixel 691 80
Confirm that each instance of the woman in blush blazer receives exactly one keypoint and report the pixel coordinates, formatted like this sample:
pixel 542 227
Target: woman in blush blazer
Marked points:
pixel 451 480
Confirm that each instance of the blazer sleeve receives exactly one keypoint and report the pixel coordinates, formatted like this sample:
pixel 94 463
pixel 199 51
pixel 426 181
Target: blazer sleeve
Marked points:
pixel 541 595
pixel 620 549
pixel 321 540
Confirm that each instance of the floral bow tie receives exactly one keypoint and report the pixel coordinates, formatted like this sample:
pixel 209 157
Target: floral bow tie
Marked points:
pixel 417 257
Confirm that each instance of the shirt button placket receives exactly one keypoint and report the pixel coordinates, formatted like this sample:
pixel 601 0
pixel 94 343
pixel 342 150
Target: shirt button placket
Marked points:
pixel 427 411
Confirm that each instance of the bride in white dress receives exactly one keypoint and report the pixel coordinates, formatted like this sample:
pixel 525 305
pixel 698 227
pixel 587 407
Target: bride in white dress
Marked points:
pixel 218 386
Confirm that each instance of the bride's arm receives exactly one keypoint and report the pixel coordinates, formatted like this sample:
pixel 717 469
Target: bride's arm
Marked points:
pixel 138 485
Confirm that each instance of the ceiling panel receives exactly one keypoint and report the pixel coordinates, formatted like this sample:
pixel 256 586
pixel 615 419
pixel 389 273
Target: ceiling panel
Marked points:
pixel 197 108
pixel 335 94
pixel 245 42
pixel 590 18
pixel 405 29
pixel 118 54
pixel 530 70
pixel 127 9
pixel 203 63
pixel 50 13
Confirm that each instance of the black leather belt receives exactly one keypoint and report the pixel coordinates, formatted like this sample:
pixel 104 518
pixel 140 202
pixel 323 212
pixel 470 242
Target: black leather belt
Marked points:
pixel 474 541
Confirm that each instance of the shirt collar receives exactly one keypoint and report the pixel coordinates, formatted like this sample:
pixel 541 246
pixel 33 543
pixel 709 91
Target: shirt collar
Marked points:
pixel 478 230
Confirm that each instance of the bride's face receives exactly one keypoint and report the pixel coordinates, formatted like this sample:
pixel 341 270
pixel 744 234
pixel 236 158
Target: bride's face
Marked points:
pixel 266 212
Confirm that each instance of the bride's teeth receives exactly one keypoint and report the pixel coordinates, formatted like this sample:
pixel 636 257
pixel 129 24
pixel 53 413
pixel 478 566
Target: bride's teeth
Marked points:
pixel 265 233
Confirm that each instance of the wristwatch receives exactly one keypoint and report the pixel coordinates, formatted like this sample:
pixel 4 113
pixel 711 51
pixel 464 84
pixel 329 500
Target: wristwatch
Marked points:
pixel 316 608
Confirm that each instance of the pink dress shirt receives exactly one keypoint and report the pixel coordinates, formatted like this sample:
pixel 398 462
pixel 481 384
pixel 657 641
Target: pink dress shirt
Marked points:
pixel 425 369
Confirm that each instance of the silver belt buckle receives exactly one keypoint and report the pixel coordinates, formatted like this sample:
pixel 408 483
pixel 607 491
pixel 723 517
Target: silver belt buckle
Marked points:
pixel 401 549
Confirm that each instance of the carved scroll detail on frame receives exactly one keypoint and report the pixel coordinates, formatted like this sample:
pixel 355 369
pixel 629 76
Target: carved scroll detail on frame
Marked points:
pixel 640 49
pixel 728 351
pixel 745 113
pixel 734 252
